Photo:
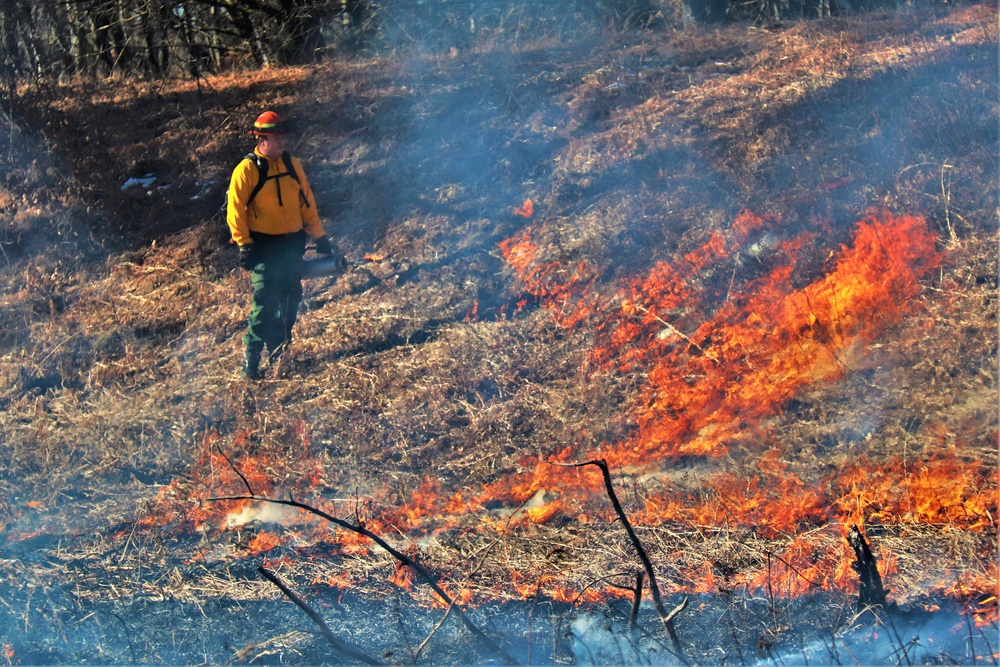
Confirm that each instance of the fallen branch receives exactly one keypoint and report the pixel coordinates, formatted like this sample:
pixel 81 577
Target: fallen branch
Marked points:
pixel 128 633
pixel 398 555
pixel 447 613
pixel 361 530
pixel 338 645
pixel 665 618
pixel 236 470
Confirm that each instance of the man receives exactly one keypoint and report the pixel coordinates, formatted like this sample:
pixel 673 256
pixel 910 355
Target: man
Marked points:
pixel 271 214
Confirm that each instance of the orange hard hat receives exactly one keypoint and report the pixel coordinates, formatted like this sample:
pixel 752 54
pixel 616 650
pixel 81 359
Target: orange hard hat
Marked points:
pixel 269 124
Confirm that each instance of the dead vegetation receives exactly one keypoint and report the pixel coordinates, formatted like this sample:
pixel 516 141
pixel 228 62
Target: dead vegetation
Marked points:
pixel 428 390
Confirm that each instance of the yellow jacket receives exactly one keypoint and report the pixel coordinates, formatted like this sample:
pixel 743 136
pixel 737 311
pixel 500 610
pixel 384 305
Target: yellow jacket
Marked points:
pixel 283 206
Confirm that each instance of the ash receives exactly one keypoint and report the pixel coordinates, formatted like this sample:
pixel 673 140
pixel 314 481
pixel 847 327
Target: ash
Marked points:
pixel 54 626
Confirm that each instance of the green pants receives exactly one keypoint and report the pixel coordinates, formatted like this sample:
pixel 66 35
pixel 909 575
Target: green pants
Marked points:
pixel 277 290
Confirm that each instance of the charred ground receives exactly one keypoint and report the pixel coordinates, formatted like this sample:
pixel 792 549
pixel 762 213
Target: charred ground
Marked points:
pixel 435 370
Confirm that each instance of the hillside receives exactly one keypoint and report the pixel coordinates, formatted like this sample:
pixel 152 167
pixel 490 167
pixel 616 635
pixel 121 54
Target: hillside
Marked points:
pixel 754 268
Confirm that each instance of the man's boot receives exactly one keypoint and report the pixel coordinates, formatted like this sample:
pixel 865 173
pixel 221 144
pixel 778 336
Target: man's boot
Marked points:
pixel 251 363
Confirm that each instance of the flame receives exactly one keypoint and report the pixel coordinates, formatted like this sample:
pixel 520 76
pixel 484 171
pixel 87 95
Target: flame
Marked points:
pixel 711 380
pixel 759 350
pixel 714 365
pixel 403 577
pixel 968 589
pixel 985 612
pixel 183 501
pixel 262 542
pixel 707 388
pixel 543 513
pixel 23 537
pixel 463 597
pixel 274 563
pixel 525 210
pixel 748 222
pixel 942 489
pixel 557 284
pixel 341 580
pixel 372 257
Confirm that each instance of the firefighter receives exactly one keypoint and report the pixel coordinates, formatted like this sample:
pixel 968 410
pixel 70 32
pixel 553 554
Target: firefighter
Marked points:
pixel 272 216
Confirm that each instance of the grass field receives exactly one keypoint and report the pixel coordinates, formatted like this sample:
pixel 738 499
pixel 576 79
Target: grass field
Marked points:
pixel 754 268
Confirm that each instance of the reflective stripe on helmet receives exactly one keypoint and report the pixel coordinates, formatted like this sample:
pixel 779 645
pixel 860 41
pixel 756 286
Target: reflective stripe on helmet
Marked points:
pixel 269 123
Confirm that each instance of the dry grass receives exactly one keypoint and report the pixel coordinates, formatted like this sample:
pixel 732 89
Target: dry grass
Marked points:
pixel 420 381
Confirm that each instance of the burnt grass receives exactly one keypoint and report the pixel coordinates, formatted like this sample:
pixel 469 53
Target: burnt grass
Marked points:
pixel 430 371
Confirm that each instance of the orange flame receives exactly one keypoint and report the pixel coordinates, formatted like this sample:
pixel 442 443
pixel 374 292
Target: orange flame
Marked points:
pixel 525 210
pixel 714 366
pixel 711 380
pixel 403 577
pixel 757 350
pixel 262 542
pixel 215 474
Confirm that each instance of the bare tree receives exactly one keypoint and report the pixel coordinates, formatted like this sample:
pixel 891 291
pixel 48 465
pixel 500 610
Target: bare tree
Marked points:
pixel 155 38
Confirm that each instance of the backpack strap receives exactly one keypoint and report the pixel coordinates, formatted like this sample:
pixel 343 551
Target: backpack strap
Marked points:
pixel 262 176
pixel 261 165
pixel 287 159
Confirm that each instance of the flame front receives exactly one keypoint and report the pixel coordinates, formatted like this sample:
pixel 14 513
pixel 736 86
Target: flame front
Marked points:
pixel 714 366
pixel 762 345
pixel 712 380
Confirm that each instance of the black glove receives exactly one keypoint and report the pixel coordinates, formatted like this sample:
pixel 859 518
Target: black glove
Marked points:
pixel 323 246
pixel 246 257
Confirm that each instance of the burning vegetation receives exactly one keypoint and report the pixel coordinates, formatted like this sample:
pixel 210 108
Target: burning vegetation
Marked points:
pixel 716 305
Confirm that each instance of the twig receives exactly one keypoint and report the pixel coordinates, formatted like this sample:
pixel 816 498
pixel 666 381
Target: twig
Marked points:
pixel 871 593
pixel 398 613
pixel 667 619
pixel 361 530
pixel 791 567
pixel 946 197
pixel 242 654
pixel 972 639
pixel 468 578
pixel 338 645
pixel 128 634
pixel 607 579
pixel 531 618
pixel 447 613
pixel 850 652
pixel 732 278
pixel 770 591
pixel 673 329
pixel 236 470
pixel 904 647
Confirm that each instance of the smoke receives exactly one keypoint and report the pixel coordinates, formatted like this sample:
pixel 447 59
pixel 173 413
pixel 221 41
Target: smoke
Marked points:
pixel 262 512
pixel 596 641
pixel 36 222
pixel 870 638
pixel 920 638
